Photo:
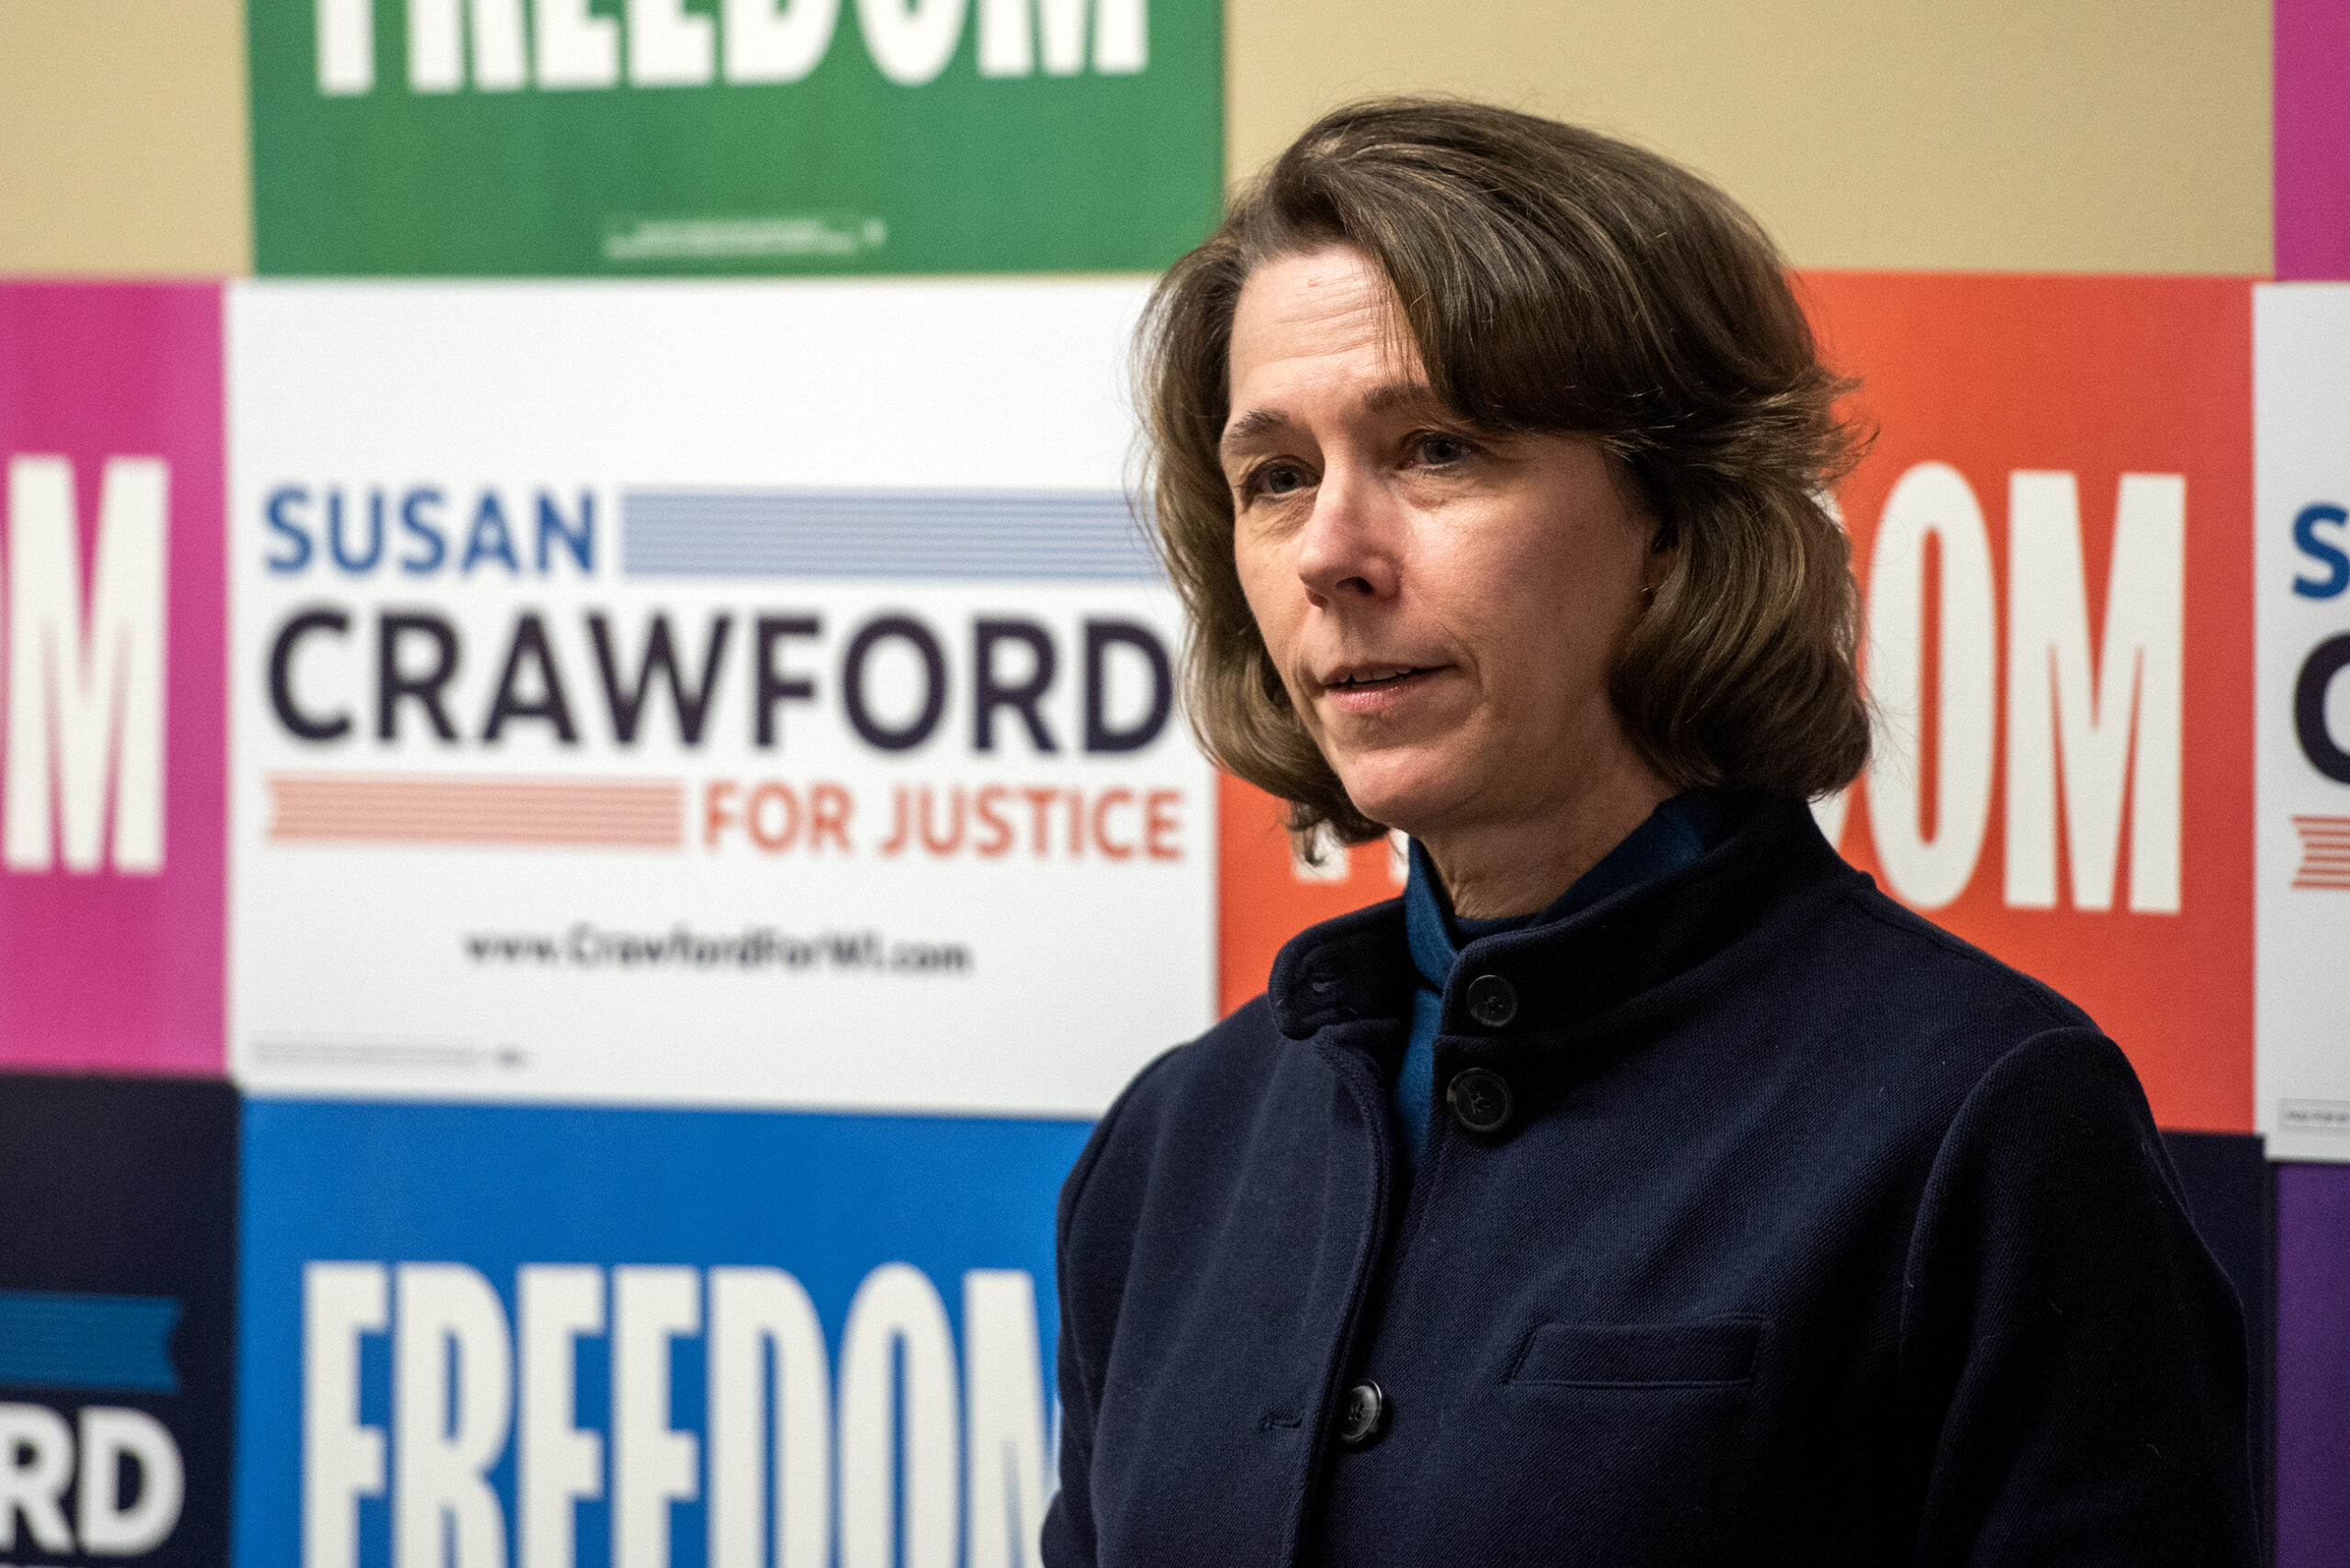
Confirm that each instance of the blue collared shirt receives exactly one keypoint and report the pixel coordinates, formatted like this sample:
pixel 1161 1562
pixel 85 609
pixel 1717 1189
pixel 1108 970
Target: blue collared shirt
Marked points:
pixel 1675 835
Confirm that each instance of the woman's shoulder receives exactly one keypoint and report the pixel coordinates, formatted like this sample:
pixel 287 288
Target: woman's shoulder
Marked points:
pixel 1793 937
pixel 1915 964
pixel 1222 1068
pixel 1919 1024
pixel 1187 1124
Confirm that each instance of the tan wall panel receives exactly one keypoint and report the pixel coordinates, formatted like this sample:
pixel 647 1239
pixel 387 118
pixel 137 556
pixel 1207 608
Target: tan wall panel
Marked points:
pixel 122 137
pixel 2050 135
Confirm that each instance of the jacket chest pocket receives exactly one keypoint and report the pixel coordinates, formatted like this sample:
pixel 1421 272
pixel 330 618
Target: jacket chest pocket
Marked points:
pixel 1648 1433
pixel 1719 1352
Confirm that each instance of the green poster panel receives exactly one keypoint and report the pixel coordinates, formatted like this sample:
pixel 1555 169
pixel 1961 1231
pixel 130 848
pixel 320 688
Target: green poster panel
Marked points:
pixel 616 138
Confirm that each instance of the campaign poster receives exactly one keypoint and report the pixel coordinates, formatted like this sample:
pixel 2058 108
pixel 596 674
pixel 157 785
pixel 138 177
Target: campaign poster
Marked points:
pixel 117 1328
pixel 113 750
pixel 2303 704
pixel 747 692
pixel 2051 529
pixel 2051 532
pixel 480 1335
pixel 499 138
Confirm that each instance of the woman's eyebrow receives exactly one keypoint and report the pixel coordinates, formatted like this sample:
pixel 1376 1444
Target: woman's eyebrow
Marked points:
pixel 1249 426
pixel 1413 394
pixel 1407 395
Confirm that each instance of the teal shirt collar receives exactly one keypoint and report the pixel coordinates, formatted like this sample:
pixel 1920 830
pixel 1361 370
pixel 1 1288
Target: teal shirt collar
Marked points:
pixel 1675 835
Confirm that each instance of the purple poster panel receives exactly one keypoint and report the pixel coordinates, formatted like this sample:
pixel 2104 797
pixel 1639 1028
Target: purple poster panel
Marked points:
pixel 2312 1366
pixel 112 761
pixel 2312 139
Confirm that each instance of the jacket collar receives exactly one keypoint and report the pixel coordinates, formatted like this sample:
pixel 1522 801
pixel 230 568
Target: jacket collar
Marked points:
pixel 1358 966
pixel 1678 832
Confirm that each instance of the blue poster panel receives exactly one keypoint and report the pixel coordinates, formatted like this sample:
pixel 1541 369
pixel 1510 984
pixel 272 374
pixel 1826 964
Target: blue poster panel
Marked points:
pixel 479 1335
pixel 117 1295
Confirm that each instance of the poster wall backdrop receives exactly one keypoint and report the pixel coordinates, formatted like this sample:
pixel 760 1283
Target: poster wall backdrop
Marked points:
pixel 644 699
pixel 111 760
pixel 488 137
pixel 704 693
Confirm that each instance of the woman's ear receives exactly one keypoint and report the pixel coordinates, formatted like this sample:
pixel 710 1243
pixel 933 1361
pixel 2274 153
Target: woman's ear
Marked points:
pixel 1664 551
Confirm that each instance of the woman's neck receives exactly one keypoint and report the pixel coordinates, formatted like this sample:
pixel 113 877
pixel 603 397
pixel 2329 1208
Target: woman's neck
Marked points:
pixel 1512 866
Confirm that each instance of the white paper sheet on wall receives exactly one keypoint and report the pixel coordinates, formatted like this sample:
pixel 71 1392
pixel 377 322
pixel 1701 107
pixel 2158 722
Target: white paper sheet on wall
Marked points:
pixel 2301 416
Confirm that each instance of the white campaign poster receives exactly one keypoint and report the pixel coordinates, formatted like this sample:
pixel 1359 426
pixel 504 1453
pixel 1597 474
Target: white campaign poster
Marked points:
pixel 2301 402
pixel 740 692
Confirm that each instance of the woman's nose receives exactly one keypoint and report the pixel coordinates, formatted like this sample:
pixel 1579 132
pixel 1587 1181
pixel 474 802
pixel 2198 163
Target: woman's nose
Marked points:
pixel 1347 550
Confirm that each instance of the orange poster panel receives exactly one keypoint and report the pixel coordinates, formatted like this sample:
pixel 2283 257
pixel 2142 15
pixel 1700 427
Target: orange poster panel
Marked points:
pixel 2053 531
pixel 1265 894
pixel 2052 528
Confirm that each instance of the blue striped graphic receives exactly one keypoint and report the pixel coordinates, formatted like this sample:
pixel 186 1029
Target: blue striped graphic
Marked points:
pixel 882 533
pixel 54 1339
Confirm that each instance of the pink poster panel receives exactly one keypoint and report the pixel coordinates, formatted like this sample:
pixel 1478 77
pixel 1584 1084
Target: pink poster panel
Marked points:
pixel 113 747
pixel 2312 139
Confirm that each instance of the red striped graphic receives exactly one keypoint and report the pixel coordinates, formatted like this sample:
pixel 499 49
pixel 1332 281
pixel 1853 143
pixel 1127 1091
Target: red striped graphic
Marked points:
pixel 2325 852
pixel 640 814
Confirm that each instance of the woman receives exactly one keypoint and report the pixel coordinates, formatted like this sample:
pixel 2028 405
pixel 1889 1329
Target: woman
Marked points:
pixel 1643 1187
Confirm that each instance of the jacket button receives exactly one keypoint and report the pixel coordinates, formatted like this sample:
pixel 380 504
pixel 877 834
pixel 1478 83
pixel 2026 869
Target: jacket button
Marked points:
pixel 1492 1000
pixel 1366 1414
pixel 1479 1098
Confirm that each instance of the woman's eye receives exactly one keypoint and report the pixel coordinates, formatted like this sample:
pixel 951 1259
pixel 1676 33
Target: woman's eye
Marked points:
pixel 1439 451
pixel 1280 478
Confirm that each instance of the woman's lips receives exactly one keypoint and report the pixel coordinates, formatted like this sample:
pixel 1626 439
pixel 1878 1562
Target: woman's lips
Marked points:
pixel 1378 689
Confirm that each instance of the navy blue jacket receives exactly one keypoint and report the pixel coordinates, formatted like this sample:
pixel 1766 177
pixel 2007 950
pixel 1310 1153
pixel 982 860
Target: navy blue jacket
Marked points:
pixel 1808 1235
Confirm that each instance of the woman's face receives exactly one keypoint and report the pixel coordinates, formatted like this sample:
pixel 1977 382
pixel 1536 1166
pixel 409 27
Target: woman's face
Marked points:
pixel 1442 606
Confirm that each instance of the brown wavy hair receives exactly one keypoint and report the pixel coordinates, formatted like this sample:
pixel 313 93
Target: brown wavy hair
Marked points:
pixel 1554 280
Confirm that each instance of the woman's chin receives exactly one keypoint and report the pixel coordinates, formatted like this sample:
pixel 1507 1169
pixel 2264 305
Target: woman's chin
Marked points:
pixel 1410 802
